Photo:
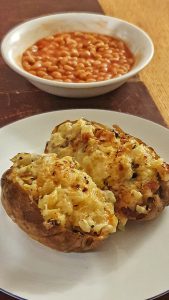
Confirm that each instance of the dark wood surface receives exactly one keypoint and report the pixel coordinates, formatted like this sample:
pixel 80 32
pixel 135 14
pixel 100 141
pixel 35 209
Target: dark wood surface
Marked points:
pixel 19 99
pixel 25 100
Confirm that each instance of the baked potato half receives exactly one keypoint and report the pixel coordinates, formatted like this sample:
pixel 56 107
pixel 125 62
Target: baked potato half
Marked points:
pixel 118 162
pixel 56 203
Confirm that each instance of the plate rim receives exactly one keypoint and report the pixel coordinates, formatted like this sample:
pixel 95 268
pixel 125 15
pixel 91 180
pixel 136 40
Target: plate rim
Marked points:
pixel 20 298
pixel 86 109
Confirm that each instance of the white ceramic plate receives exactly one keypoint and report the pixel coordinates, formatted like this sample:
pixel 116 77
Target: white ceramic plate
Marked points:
pixel 130 265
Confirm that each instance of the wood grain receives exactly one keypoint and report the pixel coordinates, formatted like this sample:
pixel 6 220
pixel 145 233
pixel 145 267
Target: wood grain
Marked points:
pixel 126 99
pixel 153 17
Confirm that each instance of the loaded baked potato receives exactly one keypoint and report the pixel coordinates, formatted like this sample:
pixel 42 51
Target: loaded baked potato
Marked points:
pixel 117 162
pixel 56 203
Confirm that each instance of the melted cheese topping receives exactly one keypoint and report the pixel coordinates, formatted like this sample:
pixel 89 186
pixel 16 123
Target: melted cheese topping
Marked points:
pixel 115 161
pixel 65 194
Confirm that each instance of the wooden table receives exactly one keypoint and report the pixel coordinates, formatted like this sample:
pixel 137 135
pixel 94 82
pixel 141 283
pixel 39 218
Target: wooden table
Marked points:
pixel 153 17
pixel 18 98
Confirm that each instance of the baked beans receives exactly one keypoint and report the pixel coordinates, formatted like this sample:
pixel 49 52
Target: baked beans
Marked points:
pixel 78 57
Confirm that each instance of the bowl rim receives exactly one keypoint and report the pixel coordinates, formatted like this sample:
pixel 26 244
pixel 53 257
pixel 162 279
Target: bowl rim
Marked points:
pixel 56 83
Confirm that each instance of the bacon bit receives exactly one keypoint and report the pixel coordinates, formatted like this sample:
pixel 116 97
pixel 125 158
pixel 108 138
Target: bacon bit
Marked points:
pixel 84 189
pixel 123 140
pixel 120 151
pixel 152 185
pixel 104 135
pixel 121 168
pixel 85 137
pixel 77 186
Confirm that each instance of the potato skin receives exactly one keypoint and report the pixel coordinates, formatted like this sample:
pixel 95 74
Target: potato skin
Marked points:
pixel 157 206
pixel 25 213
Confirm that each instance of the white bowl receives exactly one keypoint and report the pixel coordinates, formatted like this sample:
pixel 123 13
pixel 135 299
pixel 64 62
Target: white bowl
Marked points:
pixel 24 35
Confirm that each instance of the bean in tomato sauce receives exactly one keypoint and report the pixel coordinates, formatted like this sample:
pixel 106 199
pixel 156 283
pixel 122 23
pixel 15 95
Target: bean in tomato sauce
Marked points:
pixel 78 57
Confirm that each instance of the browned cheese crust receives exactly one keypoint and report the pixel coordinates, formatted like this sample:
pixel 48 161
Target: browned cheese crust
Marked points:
pixel 25 212
pixel 96 138
pixel 56 203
